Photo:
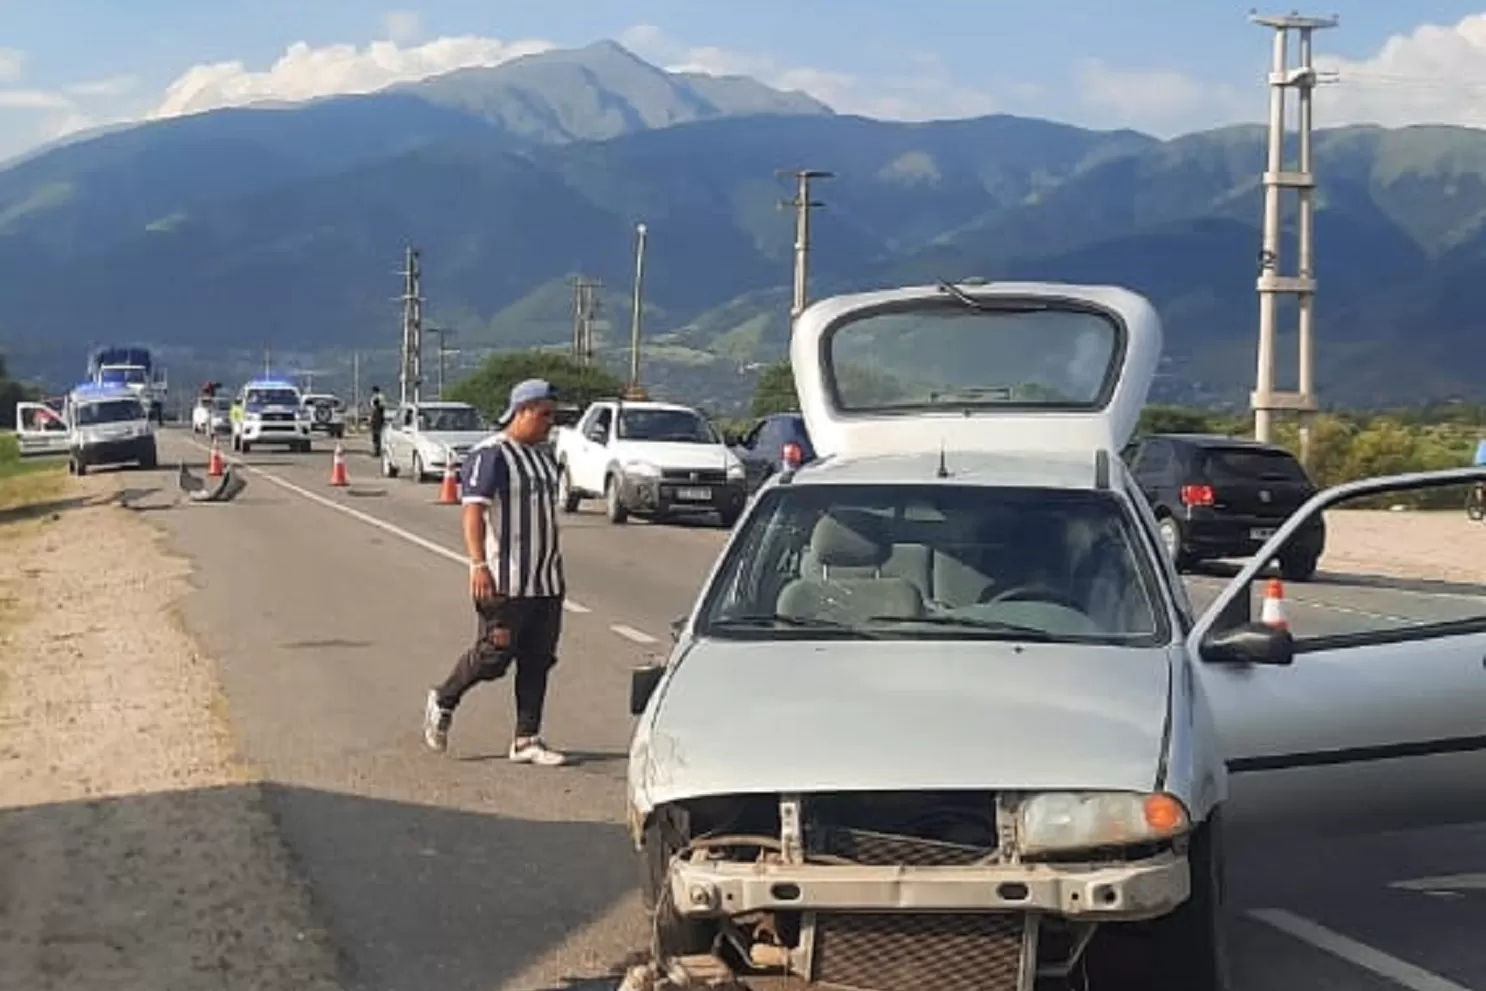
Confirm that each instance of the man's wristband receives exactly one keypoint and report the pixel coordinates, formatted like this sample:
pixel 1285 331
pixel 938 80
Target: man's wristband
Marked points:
pixel 477 565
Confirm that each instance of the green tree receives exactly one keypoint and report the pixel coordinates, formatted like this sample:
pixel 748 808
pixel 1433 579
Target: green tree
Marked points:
pixel 1175 420
pixel 489 387
pixel 12 392
pixel 775 392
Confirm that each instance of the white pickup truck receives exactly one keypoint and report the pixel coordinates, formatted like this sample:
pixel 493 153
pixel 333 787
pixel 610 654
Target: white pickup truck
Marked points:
pixel 651 459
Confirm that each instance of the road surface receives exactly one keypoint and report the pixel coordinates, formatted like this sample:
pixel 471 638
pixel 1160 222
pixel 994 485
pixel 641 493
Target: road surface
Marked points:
pixel 331 611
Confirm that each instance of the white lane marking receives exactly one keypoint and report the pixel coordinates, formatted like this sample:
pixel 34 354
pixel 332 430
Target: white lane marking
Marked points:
pixel 1398 971
pixel 632 634
pixel 1218 584
pixel 1449 882
pixel 370 520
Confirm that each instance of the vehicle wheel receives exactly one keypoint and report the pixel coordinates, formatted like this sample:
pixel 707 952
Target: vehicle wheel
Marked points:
pixel 245 447
pixel 389 470
pixel 566 498
pixel 673 935
pixel 1184 951
pixel 150 461
pixel 76 467
pixel 1298 568
pixel 1171 536
pixel 613 505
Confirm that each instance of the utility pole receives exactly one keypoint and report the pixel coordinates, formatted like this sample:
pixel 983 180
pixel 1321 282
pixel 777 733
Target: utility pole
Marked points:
pixel 1266 400
pixel 410 379
pixel 585 311
pixel 636 390
pixel 802 204
pixel 443 333
pixel 355 384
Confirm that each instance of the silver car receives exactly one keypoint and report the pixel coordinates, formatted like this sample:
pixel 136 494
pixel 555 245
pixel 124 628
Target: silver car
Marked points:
pixel 942 715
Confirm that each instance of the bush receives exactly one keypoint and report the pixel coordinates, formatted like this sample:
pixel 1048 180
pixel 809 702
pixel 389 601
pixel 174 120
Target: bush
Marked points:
pixel 489 387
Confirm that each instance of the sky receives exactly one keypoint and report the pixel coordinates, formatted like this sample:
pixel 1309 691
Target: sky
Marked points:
pixel 1161 66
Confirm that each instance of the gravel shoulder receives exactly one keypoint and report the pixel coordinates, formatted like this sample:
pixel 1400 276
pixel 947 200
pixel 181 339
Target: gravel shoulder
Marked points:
pixel 1422 546
pixel 135 849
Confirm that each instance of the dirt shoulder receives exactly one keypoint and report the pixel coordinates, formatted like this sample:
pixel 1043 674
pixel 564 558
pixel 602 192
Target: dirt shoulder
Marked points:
pixel 1426 546
pixel 135 849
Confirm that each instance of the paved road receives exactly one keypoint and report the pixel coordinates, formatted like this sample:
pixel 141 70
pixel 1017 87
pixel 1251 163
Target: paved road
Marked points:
pixel 462 872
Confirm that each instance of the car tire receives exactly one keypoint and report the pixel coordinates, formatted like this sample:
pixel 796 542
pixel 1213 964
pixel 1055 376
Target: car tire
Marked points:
pixel 151 460
pixel 567 499
pixel 1186 950
pixel 1171 539
pixel 1299 568
pixel 613 504
pixel 245 447
pixel 389 470
pixel 673 935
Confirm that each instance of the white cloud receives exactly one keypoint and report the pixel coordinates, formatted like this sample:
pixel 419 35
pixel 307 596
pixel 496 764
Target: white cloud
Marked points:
pixel 12 64
pixel 403 27
pixel 33 99
pixel 110 86
pixel 1434 75
pixel 927 92
pixel 305 73
pixel 1160 101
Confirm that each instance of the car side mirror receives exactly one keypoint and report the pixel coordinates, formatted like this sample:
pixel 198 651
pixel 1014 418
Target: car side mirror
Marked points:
pixel 642 684
pixel 1249 643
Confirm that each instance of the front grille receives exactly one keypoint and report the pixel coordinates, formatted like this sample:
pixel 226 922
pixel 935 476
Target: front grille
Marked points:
pixel 886 849
pixel 694 476
pixel 918 951
pixel 278 417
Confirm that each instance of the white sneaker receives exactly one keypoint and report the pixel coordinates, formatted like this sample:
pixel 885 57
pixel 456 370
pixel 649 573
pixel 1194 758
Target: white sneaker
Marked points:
pixel 534 751
pixel 436 723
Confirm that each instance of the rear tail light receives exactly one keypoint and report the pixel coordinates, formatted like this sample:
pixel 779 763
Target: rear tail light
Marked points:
pixel 1197 495
pixel 793 455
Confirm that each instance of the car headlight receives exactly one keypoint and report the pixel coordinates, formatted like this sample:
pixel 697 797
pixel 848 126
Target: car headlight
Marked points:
pixel 642 468
pixel 735 470
pixel 1085 820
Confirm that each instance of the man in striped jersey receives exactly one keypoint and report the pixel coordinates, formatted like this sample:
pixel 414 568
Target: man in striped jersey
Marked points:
pixel 509 494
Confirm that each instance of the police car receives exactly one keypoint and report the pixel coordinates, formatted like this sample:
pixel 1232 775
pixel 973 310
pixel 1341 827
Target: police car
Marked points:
pixel 942 714
pixel 270 411
pixel 108 425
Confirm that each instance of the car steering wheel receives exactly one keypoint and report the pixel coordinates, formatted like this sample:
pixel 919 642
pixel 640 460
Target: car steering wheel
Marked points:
pixel 1036 593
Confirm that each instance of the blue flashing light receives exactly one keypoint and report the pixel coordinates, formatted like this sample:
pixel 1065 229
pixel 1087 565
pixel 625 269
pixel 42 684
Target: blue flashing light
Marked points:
pixel 270 384
pixel 101 390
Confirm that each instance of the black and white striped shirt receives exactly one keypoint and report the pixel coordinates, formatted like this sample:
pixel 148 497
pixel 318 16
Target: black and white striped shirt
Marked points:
pixel 518 482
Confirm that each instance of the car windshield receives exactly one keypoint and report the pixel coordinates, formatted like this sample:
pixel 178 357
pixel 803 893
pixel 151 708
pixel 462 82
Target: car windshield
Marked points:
pixel 108 411
pixel 919 561
pixel 680 425
pixel 453 420
pixel 221 404
pixel 1251 464
pixel 948 353
pixel 272 397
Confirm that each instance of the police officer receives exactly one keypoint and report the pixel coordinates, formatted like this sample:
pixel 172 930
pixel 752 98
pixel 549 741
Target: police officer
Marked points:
pixel 378 419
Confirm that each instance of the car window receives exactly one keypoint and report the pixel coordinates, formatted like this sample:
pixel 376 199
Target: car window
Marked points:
pixel 678 425
pixel 453 419
pixel 273 397
pixel 1240 464
pixel 109 411
pixel 921 561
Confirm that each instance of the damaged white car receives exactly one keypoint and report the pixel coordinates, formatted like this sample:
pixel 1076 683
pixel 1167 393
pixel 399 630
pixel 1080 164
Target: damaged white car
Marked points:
pixel 942 717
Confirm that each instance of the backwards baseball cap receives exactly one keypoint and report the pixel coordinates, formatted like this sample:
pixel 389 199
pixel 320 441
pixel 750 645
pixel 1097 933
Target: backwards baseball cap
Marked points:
pixel 529 391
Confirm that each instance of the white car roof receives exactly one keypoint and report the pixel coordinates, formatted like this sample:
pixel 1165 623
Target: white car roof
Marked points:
pixel 1107 423
pixel 650 404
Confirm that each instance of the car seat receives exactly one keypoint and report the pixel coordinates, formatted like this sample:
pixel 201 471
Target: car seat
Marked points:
pixel 850 547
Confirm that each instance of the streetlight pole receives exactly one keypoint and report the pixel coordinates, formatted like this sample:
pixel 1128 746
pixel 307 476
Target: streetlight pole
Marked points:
pixel 634 328
pixel 442 332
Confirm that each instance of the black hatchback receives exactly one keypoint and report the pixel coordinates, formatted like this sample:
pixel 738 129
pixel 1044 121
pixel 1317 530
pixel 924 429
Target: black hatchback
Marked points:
pixel 1222 497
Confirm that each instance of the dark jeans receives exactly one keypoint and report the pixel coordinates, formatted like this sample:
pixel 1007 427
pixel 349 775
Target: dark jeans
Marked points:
pixel 535 626
pixel 376 439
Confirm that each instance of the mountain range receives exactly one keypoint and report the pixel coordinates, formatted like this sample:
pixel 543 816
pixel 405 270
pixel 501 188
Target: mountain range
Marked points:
pixel 217 235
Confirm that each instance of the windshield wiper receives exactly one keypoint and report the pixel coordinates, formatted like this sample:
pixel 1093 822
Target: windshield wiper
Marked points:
pixel 966 622
pixel 800 622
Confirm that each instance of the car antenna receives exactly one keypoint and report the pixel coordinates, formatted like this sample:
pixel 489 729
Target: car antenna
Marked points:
pixel 943 470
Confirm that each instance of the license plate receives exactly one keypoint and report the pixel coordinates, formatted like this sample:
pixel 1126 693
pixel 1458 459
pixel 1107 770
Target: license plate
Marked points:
pixel 1261 533
pixel 694 495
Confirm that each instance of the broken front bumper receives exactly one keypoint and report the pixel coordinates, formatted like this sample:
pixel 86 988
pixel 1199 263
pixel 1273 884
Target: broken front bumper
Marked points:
pixel 1130 892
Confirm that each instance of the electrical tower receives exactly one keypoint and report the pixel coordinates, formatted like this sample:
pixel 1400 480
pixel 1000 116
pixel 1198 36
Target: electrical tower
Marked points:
pixel 443 334
pixel 410 376
pixel 1272 285
pixel 585 313
pixel 802 204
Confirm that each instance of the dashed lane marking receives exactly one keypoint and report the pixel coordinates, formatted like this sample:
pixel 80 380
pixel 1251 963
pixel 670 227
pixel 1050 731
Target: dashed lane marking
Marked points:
pixel 632 634
pixel 373 521
pixel 1398 971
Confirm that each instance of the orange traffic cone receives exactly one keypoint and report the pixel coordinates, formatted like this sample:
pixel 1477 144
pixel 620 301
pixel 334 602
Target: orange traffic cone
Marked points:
pixel 1273 612
pixel 215 466
pixel 449 491
pixel 338 468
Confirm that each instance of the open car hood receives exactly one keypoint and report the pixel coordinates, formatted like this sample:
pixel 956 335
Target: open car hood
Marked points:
pixel 895 715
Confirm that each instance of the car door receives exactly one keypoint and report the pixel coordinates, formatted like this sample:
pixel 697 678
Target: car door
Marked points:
pixel 593 451
pixel 750 451
pixel 1379 720
pixel 40 430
